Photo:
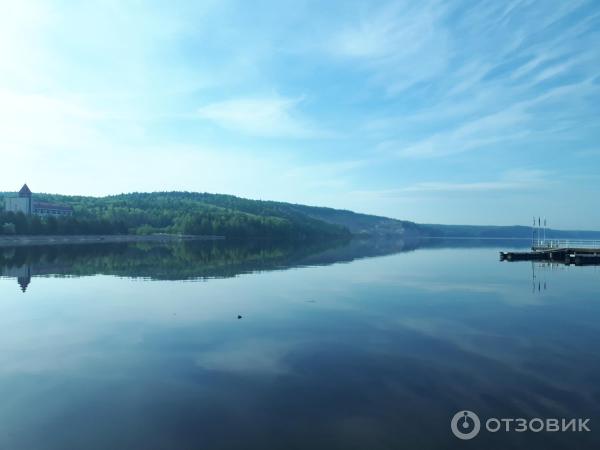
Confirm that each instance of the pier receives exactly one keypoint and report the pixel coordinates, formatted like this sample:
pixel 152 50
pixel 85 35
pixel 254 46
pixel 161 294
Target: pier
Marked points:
pixel 577 252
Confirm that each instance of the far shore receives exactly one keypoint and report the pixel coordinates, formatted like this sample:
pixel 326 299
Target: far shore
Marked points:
pixel 27 240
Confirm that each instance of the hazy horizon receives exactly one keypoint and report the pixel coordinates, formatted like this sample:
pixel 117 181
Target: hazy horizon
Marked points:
pixel 436 112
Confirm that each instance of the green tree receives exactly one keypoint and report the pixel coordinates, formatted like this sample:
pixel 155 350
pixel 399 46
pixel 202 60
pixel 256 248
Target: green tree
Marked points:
pixel 8 228
pixel 36 226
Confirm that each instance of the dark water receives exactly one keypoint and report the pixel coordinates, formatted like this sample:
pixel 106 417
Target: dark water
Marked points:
pixel 361 345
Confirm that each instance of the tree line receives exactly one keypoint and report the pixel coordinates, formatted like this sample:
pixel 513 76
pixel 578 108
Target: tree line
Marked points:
pixel 20 224
pixel 173 213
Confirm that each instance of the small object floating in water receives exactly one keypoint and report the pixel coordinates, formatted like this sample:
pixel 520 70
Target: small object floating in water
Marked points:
pixel 239 317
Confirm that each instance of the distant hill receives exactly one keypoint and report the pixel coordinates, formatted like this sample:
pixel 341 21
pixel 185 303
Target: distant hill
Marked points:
pixel 487 231
pixel 231 216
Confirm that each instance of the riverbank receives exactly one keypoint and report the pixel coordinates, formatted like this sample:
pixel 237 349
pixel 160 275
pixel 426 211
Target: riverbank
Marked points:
pixel 18 241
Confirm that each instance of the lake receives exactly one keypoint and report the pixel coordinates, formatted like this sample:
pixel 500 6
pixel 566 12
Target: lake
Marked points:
pixel 359 345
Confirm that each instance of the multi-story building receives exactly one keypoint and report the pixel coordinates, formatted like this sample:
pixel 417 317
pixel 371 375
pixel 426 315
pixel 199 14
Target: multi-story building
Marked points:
pixel 25 204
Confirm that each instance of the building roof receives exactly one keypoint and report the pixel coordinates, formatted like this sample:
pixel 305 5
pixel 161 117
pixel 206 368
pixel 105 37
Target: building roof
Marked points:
pixel 25 191
pixel 46 205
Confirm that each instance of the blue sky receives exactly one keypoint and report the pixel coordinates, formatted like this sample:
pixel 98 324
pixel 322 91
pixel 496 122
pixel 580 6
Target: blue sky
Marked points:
pixel 448 112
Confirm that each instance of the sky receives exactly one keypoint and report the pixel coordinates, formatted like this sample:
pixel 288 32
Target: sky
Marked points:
pixel 455 112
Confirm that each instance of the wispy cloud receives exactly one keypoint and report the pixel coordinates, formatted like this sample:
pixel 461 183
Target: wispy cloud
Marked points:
pixel 273 116
pixel 523 83
pixel 515 122
pixel 516 179
pixel 400 43
pixel 328 174
pixel 475 134
pixel 398 99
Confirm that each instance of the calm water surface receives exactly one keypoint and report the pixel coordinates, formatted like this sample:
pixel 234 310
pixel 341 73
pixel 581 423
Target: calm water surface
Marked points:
pixel 360 346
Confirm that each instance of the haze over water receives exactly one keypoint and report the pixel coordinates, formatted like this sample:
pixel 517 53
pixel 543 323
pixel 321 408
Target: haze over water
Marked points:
pixel 141 347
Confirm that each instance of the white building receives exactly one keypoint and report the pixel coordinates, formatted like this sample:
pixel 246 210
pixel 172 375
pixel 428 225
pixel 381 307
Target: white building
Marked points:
pixel 25 204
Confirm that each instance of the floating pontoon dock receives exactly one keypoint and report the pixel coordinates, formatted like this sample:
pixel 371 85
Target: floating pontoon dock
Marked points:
pixel 578 252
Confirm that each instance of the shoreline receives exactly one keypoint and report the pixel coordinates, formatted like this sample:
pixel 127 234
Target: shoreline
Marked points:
pixel 27 240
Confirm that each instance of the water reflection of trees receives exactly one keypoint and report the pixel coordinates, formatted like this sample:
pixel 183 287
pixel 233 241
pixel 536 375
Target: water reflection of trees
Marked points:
pixel 186 260
pixel 189 260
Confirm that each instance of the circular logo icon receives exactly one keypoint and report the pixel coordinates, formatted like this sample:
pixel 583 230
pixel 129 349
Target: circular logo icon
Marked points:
pixel 465 425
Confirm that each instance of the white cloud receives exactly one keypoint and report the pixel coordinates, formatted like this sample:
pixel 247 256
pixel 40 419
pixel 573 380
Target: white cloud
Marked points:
pixel 101 87
pixel 273 116
pixel 329 175
pixel 490 90
pixel 461 187
pixel 399 43
pixel 513 123
pixel 517 180
pixel 511 180
pixel 478 133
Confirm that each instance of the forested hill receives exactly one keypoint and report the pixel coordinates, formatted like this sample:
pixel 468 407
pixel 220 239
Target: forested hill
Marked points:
pixel 173 212
pixel 226 215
